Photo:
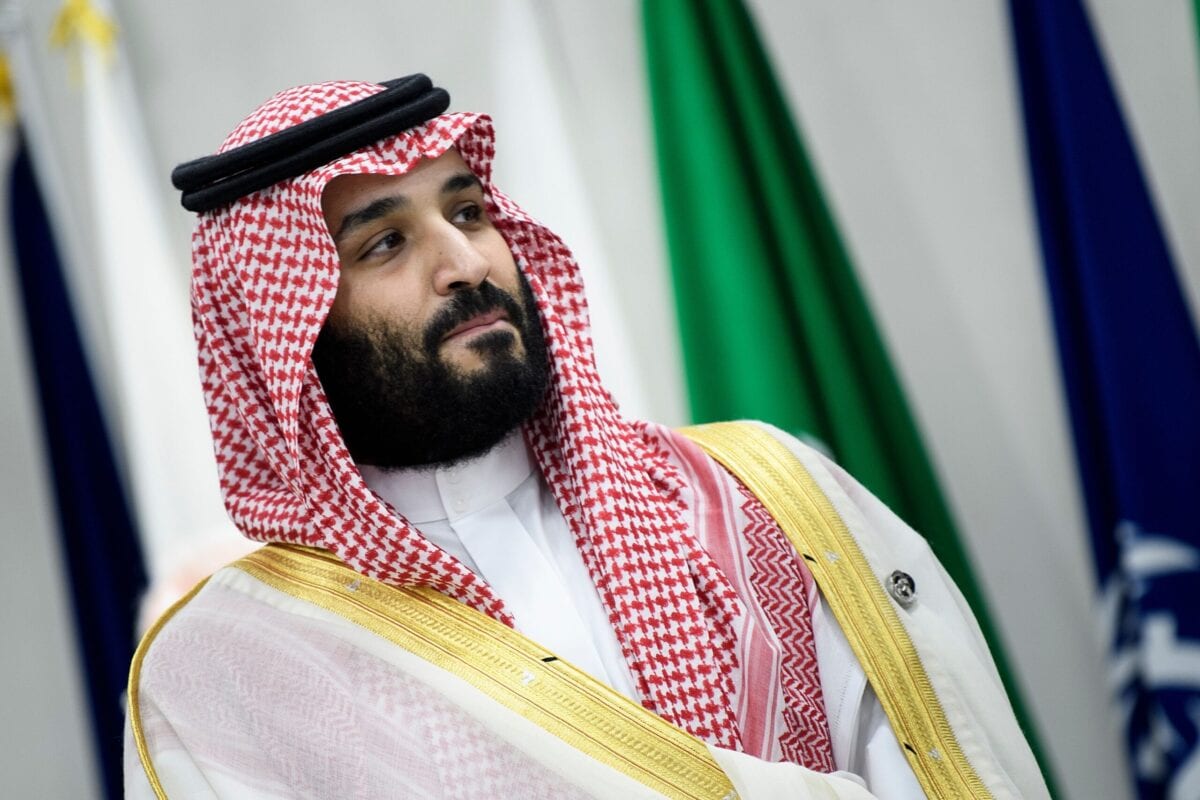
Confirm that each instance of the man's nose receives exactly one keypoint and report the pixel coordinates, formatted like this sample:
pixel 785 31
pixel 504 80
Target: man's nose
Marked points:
pixel 460 264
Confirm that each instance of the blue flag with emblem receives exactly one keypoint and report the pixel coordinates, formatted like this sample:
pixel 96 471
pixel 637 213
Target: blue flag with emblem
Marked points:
pixel 1130 357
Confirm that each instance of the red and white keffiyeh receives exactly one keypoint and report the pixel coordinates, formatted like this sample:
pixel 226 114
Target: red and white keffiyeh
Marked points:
pixel 672 556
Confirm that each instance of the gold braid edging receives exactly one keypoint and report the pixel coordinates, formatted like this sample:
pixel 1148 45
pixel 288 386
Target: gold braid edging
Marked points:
pixel 857 598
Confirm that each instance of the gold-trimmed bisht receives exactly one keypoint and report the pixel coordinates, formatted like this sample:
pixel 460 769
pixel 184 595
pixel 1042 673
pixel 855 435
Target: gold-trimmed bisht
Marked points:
pixel 506 666
pixel 855 595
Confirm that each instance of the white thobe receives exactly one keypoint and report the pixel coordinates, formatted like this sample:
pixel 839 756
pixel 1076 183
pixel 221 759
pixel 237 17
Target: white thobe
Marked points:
pixel 496 515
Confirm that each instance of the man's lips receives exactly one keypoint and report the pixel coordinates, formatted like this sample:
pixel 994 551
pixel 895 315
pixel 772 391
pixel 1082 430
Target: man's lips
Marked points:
pixel 483 321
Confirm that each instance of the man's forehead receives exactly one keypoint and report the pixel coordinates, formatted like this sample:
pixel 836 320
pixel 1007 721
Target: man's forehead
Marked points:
pixel 424 171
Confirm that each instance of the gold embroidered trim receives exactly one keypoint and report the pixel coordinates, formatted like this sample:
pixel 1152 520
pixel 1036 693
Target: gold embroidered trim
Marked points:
pixel 132 696
pixel 856 597
pixel 506 666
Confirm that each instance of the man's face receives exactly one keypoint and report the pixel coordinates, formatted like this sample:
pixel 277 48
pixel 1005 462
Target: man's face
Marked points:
pixel 432 351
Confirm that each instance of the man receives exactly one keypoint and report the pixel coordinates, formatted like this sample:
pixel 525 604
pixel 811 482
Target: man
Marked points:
pixel 483 580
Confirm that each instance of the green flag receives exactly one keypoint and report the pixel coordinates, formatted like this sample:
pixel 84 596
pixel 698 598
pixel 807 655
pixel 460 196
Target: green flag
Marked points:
pixel 774 324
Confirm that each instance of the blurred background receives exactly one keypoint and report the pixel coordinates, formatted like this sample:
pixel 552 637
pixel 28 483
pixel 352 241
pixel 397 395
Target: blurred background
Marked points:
pixel 956 243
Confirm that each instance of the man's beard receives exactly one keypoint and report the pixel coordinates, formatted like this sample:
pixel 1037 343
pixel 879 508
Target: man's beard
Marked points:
pixel 398 404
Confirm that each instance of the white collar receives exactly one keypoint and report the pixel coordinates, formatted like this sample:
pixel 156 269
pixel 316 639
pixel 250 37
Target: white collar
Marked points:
pixel 428 494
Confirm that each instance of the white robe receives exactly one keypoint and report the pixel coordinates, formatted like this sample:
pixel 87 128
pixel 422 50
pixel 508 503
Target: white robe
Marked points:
pixel 496 515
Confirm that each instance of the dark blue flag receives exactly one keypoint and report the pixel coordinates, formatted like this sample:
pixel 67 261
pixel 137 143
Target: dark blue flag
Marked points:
pixel 1130 358
pixel 103 557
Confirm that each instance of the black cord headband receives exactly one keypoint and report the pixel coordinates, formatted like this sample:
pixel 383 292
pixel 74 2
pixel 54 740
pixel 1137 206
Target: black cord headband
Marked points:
pixel 213 181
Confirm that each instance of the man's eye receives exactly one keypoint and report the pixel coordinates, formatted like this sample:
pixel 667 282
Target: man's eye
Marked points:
pixel 469 213
pixel 385 244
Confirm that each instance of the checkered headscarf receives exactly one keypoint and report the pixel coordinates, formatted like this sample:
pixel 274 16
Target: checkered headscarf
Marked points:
pixel 266 272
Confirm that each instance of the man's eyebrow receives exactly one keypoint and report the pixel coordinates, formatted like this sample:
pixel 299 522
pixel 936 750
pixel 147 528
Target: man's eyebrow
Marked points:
pixel 463 180
pixel 368 213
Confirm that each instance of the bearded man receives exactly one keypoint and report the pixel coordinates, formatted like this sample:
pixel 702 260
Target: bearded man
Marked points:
pixel 480 579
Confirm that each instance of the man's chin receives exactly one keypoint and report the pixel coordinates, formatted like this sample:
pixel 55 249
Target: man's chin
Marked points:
pixel 481 351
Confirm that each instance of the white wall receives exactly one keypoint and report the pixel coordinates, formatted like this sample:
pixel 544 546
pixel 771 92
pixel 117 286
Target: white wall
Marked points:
pixel 43 722
pixel 911 114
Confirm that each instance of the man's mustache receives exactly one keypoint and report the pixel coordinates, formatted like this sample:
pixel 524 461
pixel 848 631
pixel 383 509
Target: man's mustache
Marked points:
pixel 467 304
